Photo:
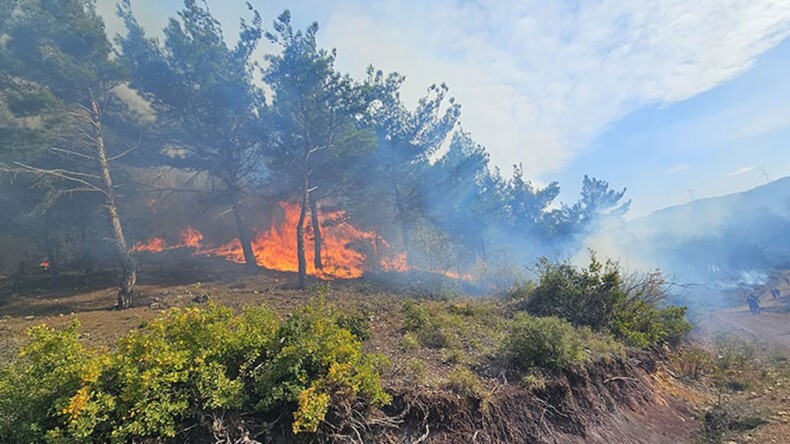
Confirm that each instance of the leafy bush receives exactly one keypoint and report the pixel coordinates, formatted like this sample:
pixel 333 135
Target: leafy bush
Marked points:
pixel 548 343
pixel 357 323
pixel 600 297
pixel 35 392
pixel 464 382
pixel 183 367
pixel 553 344
pixel 533 381
pixel 313 361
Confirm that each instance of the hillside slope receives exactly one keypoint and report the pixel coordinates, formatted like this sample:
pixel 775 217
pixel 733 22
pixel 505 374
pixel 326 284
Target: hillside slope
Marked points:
pixel 715 239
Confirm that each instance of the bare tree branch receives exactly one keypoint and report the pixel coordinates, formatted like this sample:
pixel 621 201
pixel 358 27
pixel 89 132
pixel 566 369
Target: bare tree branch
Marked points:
pixel 62 174
pixel 72 153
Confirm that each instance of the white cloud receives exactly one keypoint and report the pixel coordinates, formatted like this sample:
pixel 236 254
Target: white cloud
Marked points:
pixel 538 80
pixel 678 168
pixel 740 171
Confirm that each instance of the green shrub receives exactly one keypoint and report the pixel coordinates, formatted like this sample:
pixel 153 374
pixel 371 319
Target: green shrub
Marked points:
pixel 182 363
pixel 357 323
pixel 313 360
pixel 464 382
pixel 533 381
pixel 465 326
pixel 182 367
pixel 586 296
pixel 552 344
pixel 36 390
pixel 547 343
pixel 600 297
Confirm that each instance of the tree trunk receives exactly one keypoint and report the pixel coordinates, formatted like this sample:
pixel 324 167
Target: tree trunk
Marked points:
pixel 300 240
pixel 318 241
pixel 404 224
pixel 245 237
pixel 50 245
pixel 128 264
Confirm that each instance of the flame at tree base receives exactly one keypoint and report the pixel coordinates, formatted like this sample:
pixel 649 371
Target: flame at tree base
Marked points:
pixel 275 248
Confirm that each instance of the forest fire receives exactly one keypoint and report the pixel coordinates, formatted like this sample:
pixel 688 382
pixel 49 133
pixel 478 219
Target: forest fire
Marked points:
pixel 275 248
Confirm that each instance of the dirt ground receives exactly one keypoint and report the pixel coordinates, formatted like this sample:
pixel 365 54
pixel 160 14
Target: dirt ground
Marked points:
pixel 177 281
pixel 766 378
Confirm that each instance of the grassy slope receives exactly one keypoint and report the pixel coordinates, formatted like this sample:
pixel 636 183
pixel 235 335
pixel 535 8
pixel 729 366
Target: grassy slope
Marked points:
pixel 435 368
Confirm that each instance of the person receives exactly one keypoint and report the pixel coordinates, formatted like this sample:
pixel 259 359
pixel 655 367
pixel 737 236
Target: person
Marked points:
pixel 754 304
pixel 775 293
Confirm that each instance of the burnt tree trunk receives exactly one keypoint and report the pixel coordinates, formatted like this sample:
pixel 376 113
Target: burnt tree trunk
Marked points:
pixel 318 240
pixel 245 236
pixel 300 252
pixel 405 229
pixel 128 264
pixel 50 245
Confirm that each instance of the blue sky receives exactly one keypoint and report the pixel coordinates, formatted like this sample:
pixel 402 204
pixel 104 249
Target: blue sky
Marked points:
pixel 660 96
pixel 721 141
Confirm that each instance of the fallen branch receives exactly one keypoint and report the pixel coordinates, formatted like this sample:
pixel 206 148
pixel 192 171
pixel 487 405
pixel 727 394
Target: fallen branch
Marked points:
pixel 620 378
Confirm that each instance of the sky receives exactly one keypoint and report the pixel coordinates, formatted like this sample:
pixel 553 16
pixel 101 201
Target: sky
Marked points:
pixel 674 100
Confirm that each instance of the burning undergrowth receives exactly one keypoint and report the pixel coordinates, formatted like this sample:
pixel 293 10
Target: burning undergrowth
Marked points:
pixel 345 252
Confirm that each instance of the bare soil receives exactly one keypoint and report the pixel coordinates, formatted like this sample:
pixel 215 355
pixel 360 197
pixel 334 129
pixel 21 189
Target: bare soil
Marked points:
pixel 626 401
pixel 766 377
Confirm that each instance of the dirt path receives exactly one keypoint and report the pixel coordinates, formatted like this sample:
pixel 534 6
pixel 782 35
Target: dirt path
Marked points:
pixel 766 374
pixel 770 327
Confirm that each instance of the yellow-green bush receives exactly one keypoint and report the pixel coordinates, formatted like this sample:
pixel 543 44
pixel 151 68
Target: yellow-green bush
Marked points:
pixel 36 392
pixel 553 344
pixel 312 360
pixel 183 366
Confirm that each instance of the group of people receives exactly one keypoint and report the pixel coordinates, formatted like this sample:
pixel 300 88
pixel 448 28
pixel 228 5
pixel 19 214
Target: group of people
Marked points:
pixel 754 301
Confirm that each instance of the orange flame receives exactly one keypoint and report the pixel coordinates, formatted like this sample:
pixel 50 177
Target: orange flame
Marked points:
pixel 397 262
pixel 275 248
pixel 153 245
pixel 191 237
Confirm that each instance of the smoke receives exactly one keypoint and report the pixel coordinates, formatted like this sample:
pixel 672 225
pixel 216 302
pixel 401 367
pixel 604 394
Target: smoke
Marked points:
pixel 717 245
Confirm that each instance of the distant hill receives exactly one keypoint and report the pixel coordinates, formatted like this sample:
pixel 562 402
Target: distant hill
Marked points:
pixel 737 234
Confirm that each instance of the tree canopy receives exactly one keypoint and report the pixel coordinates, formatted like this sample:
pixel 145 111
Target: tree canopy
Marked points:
pixel 81 111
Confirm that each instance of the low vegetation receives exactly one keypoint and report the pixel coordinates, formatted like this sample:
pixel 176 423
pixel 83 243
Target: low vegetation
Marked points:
pixel 554 344
pixel 192 367
pixel 601 297
pixel 208 371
